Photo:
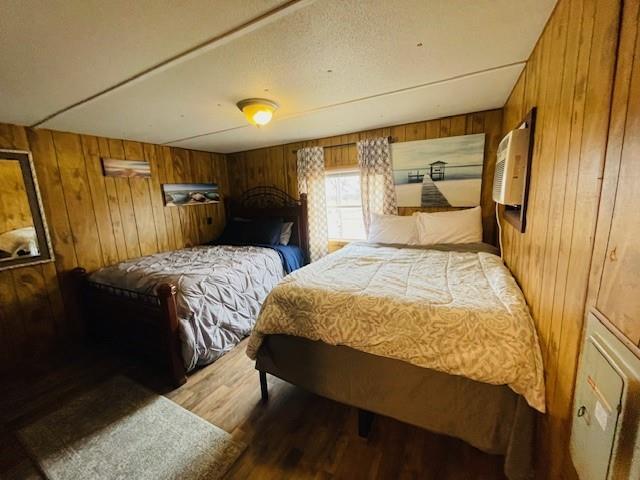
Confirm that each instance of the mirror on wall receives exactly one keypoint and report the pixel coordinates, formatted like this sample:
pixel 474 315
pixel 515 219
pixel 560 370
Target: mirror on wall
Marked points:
pixel 24 238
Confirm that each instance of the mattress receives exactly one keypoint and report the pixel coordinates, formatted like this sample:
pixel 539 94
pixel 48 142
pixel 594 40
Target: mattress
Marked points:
pixel 456 310
pixel 220 290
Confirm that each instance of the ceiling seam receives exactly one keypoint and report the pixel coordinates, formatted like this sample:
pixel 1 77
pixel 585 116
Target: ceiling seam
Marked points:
pixel 359 99
pixel 209 44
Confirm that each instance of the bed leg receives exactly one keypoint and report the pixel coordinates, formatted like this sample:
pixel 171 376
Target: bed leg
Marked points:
pixel 79 277
pixel 264 390
pixel 365 419
pixel 167 296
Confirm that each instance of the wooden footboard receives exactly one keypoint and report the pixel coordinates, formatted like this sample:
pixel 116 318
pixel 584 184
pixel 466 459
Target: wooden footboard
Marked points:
pixel 145 323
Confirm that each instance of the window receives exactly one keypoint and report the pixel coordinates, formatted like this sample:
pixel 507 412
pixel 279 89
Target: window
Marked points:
pixel 344 206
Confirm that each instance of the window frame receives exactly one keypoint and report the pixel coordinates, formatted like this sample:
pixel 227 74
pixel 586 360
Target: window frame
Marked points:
pixel 338 172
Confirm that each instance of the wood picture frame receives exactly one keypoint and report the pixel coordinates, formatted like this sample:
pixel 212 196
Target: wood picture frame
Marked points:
pixel 43 239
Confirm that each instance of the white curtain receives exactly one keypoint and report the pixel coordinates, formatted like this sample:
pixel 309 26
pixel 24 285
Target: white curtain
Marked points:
pixel 311 181
pixel 376 179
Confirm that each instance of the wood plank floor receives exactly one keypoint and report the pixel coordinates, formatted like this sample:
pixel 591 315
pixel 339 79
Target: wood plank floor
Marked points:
pixel 296 435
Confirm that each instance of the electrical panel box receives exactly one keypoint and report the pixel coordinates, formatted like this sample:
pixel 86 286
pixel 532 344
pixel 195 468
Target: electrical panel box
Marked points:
pixel 605 443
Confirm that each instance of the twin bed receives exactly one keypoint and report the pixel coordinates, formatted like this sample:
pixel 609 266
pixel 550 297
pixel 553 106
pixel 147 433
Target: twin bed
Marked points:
pixel 439 336
pixel 186 308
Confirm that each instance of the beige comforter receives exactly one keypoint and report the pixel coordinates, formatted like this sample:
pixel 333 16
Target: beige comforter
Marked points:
pixel 456 312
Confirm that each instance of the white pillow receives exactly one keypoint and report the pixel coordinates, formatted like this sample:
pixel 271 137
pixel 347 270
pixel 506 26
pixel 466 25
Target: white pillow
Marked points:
pixel 20 240
pixel 460 226
pixel 392 229
pixel 285 233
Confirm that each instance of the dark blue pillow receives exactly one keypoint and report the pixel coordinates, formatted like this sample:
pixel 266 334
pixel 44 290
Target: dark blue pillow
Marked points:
pixel 265 231
pixel 236 232
pixel 243 231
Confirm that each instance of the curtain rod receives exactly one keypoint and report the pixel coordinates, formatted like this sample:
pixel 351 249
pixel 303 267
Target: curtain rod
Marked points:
pixel 389 138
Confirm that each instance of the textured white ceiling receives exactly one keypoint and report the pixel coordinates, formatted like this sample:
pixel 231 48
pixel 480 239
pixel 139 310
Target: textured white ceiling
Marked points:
pixel 469 94
pixel 470 57
pixel 54 53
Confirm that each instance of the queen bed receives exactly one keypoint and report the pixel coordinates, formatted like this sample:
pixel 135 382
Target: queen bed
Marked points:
pixel 188 307
pixel 438 336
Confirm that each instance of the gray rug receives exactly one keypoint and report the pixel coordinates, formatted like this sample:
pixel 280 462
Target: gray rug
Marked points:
pixel 121 430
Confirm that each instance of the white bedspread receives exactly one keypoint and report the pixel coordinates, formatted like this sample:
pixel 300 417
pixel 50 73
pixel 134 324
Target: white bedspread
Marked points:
pixel 456 312
pixel 220 291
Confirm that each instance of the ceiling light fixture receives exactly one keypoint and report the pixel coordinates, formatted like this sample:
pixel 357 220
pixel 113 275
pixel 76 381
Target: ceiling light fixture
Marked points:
pixel 258 111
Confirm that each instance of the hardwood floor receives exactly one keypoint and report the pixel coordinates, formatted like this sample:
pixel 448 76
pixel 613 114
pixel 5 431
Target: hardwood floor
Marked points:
pixel 295 435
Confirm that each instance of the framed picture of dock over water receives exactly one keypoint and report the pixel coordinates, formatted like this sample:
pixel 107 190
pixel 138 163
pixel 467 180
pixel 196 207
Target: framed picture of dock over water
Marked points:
pixel 441 172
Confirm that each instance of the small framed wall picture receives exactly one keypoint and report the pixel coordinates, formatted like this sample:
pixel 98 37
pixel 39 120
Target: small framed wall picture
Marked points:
pixel 179 194
pixel 112 167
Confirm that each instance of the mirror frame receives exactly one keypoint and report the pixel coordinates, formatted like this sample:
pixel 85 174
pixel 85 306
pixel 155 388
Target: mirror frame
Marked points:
pixel 36 208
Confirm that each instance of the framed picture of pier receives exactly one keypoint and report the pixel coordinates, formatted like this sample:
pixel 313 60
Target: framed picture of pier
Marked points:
pixel 441 172
pixel 179 194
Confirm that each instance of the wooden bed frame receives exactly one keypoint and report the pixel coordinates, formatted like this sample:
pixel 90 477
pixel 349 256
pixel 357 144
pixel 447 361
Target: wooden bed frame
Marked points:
pixel 150 322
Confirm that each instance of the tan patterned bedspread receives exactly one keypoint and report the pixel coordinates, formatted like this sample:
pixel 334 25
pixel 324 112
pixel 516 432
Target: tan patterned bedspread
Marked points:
pixel 456 312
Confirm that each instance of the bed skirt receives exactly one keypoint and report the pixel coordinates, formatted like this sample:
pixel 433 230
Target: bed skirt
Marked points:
pixel 492 418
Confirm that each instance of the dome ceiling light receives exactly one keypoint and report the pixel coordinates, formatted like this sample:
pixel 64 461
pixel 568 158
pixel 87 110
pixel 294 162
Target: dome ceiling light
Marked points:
pixel 258 111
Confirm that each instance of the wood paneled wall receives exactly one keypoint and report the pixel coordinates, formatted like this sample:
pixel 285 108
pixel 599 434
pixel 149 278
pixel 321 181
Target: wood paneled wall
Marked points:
pixel 276 166
pixel 615 271
pixel 95 221
pixel 569 77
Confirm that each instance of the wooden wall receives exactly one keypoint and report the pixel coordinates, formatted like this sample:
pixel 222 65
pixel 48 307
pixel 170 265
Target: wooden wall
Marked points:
pixel 569 77
pixel 14 204
pixel 615 271
pixel 276 166
pixel 95 221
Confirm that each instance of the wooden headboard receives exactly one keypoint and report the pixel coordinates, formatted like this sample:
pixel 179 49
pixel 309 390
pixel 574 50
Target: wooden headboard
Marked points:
pixel 264 201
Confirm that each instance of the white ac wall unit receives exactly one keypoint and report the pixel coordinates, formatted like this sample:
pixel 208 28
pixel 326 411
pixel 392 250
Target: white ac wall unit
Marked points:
pixel 509 177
